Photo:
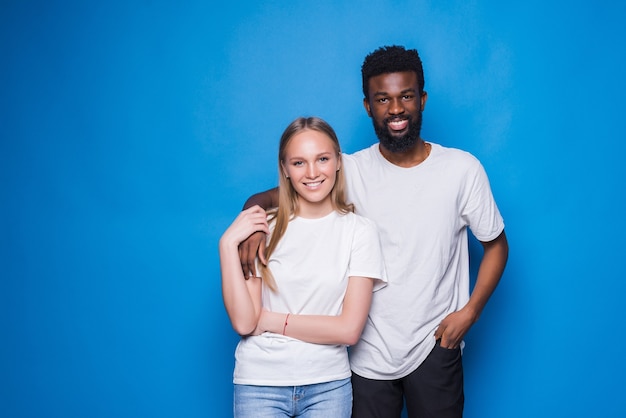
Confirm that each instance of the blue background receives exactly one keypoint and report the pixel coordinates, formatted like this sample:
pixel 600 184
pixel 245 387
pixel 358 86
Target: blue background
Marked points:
pixel 133 131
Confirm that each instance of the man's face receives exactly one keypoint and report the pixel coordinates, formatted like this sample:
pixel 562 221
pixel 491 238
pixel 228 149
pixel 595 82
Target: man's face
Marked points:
pixel 395 105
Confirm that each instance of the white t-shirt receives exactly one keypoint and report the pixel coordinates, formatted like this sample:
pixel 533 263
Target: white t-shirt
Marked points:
pixel 422 214
pixel 311 265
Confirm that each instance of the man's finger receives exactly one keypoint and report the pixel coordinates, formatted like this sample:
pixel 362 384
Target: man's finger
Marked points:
pixel 262 253
pixel 243 257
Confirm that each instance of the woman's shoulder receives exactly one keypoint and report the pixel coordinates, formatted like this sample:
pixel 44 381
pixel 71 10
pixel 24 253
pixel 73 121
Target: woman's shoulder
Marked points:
pixel 358 221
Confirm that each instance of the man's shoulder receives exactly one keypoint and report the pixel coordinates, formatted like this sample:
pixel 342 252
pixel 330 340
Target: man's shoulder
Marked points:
pixel 454 154
pixel 365 157
pixel 366 152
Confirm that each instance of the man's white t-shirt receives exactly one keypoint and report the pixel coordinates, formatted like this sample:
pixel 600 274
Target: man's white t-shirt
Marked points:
pixel 422 214
pixel 311 265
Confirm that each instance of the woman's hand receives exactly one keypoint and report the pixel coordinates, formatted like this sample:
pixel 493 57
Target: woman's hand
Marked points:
pixel 247 222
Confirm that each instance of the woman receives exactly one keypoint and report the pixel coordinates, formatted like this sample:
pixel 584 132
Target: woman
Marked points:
pixel 313 299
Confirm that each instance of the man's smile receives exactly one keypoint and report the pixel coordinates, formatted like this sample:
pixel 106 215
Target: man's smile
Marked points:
pixel 398 124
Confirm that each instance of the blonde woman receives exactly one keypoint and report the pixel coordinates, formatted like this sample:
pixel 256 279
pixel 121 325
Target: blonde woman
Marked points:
pixel 314 295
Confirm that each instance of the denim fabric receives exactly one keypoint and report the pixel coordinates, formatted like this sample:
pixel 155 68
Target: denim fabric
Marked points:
pixel 321 400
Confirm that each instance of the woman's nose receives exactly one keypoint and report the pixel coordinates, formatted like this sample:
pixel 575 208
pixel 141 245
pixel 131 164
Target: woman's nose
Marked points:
pixel 312 171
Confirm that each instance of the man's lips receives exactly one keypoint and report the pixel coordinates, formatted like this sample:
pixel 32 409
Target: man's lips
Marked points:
pixel 397 124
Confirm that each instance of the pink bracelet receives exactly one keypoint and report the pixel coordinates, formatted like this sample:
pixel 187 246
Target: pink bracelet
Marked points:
pixel 285 326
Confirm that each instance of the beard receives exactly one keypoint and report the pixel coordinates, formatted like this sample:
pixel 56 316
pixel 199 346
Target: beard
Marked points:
pixel 399 143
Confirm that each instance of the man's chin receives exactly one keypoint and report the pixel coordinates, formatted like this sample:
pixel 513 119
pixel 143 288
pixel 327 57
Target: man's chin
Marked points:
pixel 398 135
pixel 398 146
pixel 396 141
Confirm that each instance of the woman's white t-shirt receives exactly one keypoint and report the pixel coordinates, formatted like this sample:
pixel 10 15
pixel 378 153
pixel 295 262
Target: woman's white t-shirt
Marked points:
pixel 311 265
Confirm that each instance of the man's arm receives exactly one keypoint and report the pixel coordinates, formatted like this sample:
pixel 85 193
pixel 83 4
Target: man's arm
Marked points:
pixel 267 199
pixel 255 244
pixel 453 328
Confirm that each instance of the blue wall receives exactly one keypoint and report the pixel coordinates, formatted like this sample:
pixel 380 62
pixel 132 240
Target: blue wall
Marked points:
pixel 132 132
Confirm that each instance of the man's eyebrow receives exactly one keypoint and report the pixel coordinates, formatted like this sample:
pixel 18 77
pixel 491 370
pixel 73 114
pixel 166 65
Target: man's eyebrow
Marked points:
pixel 384 93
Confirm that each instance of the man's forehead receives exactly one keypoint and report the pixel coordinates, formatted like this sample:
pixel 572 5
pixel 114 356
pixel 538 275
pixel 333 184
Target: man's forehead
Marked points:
pixel 402 80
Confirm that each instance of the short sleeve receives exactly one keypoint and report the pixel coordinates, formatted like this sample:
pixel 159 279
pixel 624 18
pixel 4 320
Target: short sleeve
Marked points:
pixel 481 212
pixel 366 257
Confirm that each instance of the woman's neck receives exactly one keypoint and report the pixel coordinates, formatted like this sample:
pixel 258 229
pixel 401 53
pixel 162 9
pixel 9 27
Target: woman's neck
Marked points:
pixel 314 210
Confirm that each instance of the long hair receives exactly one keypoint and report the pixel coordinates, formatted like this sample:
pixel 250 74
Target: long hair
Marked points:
pixel 287 195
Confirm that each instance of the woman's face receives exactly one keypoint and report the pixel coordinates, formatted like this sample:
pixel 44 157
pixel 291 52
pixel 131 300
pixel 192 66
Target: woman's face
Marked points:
pixel 311 164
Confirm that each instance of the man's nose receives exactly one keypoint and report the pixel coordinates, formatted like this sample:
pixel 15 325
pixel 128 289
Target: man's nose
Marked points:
pixel 396 107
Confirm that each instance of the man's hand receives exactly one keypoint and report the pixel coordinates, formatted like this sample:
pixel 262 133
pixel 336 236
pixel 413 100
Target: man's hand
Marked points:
pixel 248 250
pixel 255 244
pixel 453 328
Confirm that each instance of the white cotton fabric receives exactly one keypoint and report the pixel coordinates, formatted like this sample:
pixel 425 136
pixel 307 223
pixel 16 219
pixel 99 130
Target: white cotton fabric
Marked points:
pixel 422 214
pixel 311 265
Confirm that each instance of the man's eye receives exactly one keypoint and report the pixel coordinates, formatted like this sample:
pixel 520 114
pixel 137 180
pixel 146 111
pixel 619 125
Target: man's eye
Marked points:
pixel 383 100
pixel 408 97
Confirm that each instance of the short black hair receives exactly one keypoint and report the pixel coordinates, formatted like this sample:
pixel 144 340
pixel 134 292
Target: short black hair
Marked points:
pixel 391 59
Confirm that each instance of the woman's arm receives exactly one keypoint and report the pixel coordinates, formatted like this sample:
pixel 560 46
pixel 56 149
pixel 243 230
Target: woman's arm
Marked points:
pixel 344 328
pixel 242 298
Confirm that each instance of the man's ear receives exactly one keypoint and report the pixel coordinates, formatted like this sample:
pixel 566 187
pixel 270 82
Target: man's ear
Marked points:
pixel 366 104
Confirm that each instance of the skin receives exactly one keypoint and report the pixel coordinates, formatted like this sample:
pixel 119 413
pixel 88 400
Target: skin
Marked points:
pixel 242 298
pixel 453 328
pixel 311 164
pixel 396 96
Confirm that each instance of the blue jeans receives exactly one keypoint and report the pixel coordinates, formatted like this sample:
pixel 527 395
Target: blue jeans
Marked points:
pixel 321 400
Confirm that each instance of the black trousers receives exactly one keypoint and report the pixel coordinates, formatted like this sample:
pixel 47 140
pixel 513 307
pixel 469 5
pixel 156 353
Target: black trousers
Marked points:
pixel 433 390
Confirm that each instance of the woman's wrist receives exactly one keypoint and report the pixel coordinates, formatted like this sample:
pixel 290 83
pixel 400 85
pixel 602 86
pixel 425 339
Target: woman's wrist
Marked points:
pixel 272 322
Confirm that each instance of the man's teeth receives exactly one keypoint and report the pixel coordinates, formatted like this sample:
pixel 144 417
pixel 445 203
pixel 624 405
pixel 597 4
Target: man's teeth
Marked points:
pixel 397 123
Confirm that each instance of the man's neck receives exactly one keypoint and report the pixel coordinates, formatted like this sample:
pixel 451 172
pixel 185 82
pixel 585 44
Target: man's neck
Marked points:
pixel 409 158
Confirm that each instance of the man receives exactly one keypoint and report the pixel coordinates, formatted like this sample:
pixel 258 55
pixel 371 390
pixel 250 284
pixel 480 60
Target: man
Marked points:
pixel 423 197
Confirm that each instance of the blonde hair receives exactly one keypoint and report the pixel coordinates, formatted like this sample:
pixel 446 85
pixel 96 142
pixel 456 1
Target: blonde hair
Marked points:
pixel 287 195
